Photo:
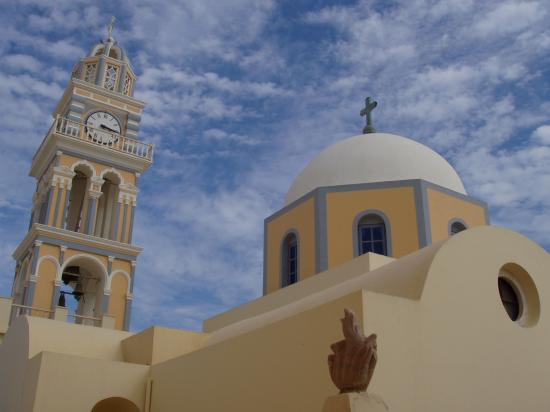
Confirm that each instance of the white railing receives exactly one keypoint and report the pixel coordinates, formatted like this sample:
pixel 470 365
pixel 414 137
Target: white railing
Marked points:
pixel 103 138
pixel 29 310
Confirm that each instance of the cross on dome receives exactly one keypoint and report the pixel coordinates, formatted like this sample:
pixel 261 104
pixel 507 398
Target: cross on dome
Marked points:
pixel 369 107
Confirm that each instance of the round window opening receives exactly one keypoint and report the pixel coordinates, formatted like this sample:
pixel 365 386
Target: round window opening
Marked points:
pixel 509 298
pixel 519 295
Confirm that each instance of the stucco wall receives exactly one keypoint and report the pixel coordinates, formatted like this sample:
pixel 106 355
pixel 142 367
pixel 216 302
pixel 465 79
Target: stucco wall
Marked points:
pixel 301 219
pixel 398 204
pixel 443 208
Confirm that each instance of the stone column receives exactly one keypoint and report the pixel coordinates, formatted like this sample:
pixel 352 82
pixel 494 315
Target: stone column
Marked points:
pixel 131 228
pixel 56 294
pixel 92 211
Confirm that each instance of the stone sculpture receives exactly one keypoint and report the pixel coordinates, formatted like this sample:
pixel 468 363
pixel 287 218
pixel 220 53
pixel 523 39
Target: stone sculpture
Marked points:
pixel 354 359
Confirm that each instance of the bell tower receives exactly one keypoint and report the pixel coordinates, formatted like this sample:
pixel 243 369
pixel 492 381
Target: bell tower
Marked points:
pixel 78 251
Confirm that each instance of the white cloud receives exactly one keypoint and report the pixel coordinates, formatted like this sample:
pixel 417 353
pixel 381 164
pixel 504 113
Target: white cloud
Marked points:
pixel 508 17
pixel 542 134
pixel 22 62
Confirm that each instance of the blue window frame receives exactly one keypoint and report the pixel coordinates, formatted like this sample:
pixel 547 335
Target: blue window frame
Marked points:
pixel 372 235
pixel 290 260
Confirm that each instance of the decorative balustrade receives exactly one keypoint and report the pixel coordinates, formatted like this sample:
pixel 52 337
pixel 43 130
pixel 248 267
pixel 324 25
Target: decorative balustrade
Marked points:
pixel 103 138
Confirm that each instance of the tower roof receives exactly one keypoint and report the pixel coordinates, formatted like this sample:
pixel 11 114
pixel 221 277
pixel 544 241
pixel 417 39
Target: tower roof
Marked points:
pixel 374 157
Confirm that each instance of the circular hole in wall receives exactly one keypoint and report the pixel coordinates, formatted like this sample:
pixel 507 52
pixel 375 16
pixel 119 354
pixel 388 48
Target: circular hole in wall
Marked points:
pixel 519 295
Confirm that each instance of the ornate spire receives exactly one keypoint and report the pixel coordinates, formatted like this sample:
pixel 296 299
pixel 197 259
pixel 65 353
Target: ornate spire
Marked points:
pixel 369 107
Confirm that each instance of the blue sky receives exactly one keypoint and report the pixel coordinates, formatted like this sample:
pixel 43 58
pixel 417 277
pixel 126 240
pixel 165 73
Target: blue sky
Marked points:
pixel 243 93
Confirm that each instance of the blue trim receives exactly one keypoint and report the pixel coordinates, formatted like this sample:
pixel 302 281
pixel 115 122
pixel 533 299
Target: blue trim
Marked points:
pixel 124 217
pixel 127 314
pixel 321 235
pixel 131 229
pixel 115 222
pixel 265 258
pixel 65 209
pixel 134 117
pixel 55 297
pixel 57 202
pixel 75 108
pixel 29 297
pixel 100 161
pixel 49 207
pixel 132 275
pixel 357 219
pixel 84 248
pixel 131 126
pixel 79 99
pixel 105 304
pixel 422 215
pixel 92 210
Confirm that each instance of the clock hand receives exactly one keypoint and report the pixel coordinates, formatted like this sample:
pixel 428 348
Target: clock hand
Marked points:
pixel 107 128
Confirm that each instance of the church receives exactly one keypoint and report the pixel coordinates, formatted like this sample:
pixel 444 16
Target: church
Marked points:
pixel 377 223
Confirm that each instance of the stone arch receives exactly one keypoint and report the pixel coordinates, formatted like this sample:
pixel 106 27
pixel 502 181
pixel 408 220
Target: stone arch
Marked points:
pixel 113 171
pixel 51 259
pixel 115 404
pixel 84 164
pixel 87 276
pixel 119 272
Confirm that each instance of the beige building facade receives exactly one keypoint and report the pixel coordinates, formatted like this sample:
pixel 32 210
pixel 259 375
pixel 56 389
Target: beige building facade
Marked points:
pixel 376 223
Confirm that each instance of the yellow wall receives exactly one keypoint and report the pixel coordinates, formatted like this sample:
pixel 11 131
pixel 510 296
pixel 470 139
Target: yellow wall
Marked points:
pixel 282 367
pixel 444 207
pixel 117 301
pixel 302 220
pixel 398 204
pixel 122 265
pixel 43 294
pixel 72 252
pixel 49 250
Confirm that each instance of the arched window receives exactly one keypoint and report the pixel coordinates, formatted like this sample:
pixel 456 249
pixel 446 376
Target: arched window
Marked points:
pixel 106 206
pixel 456 226
pixel 289 262
pixel 372 235
pixel 77 201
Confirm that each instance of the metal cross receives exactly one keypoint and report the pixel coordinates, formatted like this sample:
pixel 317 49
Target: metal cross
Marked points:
pixel 369 107
pixel 110 27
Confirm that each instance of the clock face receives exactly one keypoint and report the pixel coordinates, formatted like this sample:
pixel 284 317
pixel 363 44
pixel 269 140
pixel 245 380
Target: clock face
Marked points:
pixel 103 128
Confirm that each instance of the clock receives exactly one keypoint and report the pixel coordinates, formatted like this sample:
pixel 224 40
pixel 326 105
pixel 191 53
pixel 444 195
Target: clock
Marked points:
pixel 102 127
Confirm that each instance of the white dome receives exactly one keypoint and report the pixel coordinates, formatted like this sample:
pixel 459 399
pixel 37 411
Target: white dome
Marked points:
pixel 374 157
